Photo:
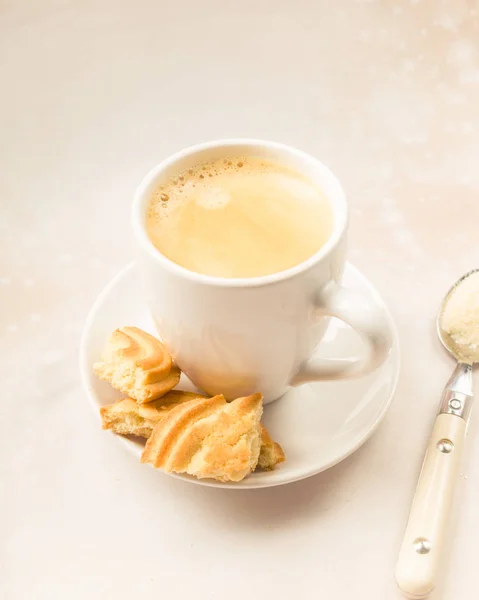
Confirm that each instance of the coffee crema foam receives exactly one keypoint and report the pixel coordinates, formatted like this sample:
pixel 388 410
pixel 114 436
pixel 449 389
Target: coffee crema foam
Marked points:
pixel 239 217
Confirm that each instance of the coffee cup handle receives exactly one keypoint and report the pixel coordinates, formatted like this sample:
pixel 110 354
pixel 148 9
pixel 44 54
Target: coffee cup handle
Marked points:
pixel 366 314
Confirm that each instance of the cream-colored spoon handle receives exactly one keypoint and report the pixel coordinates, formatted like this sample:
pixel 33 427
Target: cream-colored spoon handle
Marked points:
pixel 419 557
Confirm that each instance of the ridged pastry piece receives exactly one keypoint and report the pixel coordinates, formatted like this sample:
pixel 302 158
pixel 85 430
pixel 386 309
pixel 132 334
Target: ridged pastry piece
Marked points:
pixel 208 438
pixel 230 442
pixel 137 364
pixel 127 417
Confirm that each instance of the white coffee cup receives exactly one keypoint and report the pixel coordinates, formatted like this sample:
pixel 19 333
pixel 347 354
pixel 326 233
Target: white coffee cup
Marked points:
pixel 237 336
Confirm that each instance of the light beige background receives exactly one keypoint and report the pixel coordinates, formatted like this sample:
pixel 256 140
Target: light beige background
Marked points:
pixel 93 94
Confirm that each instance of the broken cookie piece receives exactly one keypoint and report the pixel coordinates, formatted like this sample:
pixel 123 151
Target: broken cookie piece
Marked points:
pixel 137 364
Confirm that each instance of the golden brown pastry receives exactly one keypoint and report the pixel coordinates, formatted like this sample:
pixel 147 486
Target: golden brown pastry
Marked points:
pixel 137 364
pixel 208 438
pixel 127 417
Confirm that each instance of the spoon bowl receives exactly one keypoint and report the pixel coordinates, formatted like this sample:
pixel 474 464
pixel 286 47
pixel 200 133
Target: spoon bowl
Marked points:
pixel 462 353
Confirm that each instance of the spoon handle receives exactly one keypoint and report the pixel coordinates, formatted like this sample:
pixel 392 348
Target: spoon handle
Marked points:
pixel 419 557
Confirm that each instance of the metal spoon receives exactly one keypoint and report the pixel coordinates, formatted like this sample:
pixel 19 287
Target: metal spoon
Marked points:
pixel 419 557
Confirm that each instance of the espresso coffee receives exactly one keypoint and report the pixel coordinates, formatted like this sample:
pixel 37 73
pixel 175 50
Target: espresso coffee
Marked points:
pixel 239 217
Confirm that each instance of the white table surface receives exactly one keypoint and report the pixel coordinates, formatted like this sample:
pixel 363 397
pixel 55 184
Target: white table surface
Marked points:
pixel 93 94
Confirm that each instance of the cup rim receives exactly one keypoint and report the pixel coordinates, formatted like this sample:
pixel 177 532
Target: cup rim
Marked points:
pixel 140 199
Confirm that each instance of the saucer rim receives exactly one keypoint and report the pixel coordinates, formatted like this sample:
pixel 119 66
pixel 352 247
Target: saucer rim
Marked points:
pixel 248 483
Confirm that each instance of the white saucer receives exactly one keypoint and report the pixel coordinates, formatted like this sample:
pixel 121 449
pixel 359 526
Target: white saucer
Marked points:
pixel 317 424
